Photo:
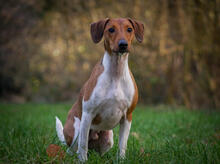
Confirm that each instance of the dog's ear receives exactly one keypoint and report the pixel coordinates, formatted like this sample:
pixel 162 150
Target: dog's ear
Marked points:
pixel 138 29
pixel 97 30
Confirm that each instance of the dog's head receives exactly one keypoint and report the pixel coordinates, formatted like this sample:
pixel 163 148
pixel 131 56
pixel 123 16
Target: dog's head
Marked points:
pixel 118 33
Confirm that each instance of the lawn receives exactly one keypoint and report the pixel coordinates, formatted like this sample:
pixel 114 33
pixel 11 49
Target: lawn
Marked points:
pixel 158 135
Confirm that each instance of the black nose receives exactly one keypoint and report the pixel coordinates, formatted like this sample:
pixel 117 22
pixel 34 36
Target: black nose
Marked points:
pixel 122 44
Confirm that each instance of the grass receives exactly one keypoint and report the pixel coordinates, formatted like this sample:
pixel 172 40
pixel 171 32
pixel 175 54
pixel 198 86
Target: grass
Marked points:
pixel 158 135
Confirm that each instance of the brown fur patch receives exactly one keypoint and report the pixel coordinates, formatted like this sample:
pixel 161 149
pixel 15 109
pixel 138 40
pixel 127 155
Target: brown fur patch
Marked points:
pixel 68 131
pixel 97 119
pixel 76 110
pixel 91 83
pixel 139 29
pixel 97 30
pixel 134 101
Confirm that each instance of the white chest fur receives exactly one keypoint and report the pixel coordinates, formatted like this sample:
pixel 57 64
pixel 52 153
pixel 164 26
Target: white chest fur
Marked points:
pixel 112 94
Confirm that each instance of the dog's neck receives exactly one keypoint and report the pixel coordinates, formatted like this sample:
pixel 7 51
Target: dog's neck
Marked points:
pixel 116 65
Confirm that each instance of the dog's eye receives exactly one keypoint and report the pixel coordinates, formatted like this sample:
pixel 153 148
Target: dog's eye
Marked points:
pixel 111 30
pixel 129 29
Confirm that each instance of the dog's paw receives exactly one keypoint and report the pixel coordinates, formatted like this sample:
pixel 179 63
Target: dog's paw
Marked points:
pixel 82 155
pixel 70 151
pixel 122 154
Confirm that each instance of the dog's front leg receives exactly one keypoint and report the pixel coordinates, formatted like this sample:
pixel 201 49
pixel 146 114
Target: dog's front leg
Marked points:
pixel 83 136
pixel 124 131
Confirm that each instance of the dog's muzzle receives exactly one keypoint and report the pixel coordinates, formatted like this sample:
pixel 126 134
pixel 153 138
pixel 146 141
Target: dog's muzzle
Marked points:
pixel 123 46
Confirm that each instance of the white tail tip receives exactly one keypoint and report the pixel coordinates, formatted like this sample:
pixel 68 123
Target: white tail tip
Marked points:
pixel 59 129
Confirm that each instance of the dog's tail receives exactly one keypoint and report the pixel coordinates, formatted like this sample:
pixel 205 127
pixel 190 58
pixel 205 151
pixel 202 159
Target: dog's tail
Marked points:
pixel 59 129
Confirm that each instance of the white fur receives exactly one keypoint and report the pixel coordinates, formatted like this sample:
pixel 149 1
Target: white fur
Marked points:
pixel 111 98
pixel 76 127
pixel 59 129
pixel 111 138
pixel 74 144
pixel 83 136
pixel 123 136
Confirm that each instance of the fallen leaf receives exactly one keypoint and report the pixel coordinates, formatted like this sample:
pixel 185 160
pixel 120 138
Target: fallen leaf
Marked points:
pixel 54 151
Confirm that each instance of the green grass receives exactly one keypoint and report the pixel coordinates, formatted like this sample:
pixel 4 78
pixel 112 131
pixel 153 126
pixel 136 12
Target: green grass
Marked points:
pixel 158 135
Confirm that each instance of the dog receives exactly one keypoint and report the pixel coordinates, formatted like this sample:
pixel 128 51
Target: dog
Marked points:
pixel 109 96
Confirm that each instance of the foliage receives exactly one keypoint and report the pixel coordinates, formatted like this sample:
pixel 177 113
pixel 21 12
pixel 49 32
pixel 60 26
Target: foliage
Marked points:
pixel 46 52
pixel 158 135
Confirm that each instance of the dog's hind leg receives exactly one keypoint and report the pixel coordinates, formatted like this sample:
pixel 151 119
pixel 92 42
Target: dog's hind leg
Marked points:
pixel 103 142
pixel 71 133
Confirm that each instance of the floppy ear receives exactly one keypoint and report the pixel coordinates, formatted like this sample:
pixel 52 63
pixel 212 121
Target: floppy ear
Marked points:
pixel 97 30
pixel 138 29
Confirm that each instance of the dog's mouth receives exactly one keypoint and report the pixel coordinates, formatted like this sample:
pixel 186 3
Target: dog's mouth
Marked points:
pixel 121 52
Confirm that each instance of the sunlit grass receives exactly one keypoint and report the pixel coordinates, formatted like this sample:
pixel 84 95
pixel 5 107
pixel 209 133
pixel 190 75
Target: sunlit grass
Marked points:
pixel 161 135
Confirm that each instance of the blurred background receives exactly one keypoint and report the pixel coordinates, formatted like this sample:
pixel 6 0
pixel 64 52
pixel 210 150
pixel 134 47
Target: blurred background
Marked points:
pixel 46 52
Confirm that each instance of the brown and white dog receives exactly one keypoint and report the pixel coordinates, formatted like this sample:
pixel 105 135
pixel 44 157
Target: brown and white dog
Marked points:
pixel 110 95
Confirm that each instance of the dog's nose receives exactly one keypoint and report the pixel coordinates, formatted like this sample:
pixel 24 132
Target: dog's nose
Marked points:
pixel 122 44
